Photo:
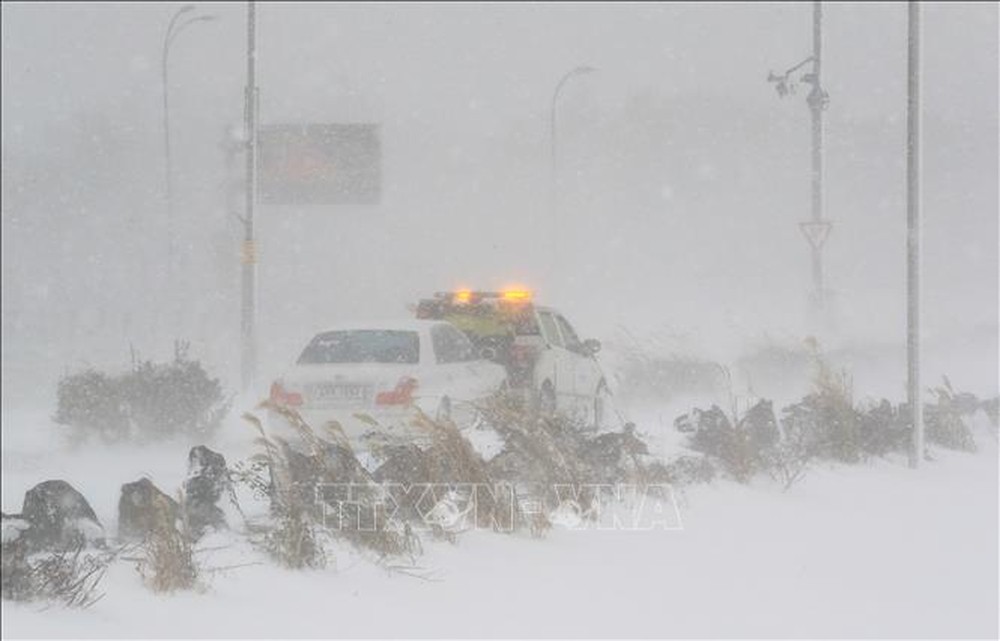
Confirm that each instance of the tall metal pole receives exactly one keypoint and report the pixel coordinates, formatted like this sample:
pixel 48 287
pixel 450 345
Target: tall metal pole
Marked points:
pixel 553 179
pixel 816 108
pixel 173 30
pixel 168 166
pixel 817 228
pixel 249 257
pixel 553 166
pixel 913 170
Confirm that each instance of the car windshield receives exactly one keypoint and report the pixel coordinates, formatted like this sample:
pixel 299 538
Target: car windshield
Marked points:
pixel 363 346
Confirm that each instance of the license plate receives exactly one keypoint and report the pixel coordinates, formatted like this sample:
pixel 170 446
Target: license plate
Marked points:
pixel 337 393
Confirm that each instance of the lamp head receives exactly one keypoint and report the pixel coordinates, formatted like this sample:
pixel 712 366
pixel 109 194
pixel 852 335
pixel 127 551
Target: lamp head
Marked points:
pixel 780 83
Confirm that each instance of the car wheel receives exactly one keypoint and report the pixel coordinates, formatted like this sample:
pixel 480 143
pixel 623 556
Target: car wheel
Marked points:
pixel 602 406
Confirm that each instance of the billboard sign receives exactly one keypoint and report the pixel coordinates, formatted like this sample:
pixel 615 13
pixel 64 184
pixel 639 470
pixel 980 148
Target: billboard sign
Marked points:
pixel 319 164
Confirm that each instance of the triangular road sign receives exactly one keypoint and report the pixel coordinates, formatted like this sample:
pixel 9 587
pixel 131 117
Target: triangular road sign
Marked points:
pixel 816 232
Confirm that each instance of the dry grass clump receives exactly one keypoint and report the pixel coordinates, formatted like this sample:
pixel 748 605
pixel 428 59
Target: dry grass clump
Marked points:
pixel 66 577
pixel 292 538
pixel 168 562
pixel 450 459
pixel 307 503
pixel 542 453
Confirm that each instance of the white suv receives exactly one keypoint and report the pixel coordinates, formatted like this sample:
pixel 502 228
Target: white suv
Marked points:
pixel 385 370
pixel 544 356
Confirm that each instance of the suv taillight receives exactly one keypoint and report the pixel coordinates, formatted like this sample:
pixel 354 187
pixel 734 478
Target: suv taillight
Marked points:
pixel 402 394
pixel 281 396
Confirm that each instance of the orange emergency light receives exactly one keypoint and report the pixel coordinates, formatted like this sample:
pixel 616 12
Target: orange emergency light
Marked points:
pixel 516 295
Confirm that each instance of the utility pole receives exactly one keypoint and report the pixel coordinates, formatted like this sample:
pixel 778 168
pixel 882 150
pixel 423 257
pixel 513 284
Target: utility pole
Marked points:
pixel 815 101
pixel 816 229
pixel 168 165
pixel 249 254
pixel 913 170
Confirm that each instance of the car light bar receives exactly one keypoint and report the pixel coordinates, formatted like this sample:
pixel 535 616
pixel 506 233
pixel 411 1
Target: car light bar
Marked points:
pixel 465 296
pixel 517 295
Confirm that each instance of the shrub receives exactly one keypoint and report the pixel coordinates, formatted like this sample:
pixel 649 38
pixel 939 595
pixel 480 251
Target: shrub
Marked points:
pixel 825 421
pixel 943 420
pixel 92 402
pixel 741 448
pixel 787 460
pixel 150 402
pixel 176 398
pixel 884 428
pixel 541 453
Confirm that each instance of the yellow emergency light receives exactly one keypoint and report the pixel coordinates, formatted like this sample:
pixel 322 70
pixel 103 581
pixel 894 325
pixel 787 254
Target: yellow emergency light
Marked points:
pixel 516 295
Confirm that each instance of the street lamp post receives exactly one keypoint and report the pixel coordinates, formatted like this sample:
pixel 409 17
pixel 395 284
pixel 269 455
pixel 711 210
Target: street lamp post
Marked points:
pixel 913 196
pixel 553 171
pixel 248 315
pixel 816 229
pixel 173 30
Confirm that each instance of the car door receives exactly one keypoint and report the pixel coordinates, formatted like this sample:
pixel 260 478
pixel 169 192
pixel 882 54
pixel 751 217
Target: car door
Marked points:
pixel 556 362
pixel 586 373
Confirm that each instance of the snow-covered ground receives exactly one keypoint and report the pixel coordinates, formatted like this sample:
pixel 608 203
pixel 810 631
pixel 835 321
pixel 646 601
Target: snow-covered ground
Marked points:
pixel 875 550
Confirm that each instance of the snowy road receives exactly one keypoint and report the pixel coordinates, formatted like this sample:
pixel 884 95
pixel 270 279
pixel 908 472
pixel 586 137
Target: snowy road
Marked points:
pixel 873 550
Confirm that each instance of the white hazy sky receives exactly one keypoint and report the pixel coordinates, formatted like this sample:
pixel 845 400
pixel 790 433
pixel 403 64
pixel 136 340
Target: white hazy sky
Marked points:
pixel 683 176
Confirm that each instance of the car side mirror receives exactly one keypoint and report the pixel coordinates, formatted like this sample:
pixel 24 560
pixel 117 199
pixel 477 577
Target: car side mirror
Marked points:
pixel 592 346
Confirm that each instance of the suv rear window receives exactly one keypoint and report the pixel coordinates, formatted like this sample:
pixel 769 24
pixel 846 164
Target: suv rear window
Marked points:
pixel 363 346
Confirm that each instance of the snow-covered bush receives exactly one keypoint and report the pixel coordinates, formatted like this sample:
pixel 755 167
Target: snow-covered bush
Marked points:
pixel 152 401
pixel 884 428
pixel 167 399
pixel 836 423
pixel 743 448
pixel 944 420
pixel 92 403
pixel 787 460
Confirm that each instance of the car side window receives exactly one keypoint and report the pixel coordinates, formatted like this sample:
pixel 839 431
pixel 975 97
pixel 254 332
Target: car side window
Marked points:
pixel 550 330
pixel 451 345
pixel 569 336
